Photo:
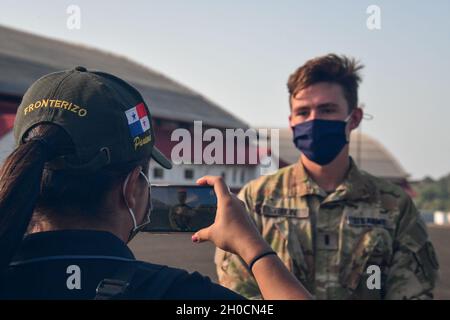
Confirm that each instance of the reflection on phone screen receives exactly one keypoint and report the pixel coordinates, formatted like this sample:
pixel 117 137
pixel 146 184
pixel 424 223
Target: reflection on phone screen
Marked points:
pixel 182 208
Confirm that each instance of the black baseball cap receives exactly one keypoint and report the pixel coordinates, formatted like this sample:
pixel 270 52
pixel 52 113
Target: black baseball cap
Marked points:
pixel 107 118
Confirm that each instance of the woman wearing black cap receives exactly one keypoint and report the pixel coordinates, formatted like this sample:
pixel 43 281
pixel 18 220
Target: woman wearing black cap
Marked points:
pixel 75 191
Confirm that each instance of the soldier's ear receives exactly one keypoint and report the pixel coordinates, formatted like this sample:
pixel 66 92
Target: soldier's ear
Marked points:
pixel 355 118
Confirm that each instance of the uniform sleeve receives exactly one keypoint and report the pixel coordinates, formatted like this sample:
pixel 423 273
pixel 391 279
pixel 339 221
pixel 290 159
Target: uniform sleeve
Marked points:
pixel 414 268
pixel 231 270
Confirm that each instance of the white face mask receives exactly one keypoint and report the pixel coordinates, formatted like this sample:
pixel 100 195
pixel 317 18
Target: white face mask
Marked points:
pixel 146 221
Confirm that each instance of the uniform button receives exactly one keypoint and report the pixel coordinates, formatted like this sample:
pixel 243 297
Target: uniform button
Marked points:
pixel 81 69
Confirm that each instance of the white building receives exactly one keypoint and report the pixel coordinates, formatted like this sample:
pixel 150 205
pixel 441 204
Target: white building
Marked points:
pixel 25 57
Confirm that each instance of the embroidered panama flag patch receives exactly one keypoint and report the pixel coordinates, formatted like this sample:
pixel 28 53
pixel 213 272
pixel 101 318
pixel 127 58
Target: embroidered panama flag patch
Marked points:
pixel 138 120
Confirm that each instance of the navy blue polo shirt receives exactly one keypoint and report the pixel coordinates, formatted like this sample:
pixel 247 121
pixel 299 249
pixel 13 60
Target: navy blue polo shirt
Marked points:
pixel 70 264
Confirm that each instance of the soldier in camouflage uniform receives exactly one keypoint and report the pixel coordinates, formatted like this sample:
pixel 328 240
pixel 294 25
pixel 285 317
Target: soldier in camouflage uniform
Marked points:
pixel 364 239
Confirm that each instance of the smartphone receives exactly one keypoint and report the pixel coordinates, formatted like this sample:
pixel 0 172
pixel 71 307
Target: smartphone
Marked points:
pixel 181 208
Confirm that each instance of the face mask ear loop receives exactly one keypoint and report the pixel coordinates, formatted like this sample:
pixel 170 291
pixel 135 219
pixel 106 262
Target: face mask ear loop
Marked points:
pixel 151 204
pixel 125 199
pixel 348 117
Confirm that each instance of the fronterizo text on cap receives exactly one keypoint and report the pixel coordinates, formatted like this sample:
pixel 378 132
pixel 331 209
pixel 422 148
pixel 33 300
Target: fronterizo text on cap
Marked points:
pixel 54 103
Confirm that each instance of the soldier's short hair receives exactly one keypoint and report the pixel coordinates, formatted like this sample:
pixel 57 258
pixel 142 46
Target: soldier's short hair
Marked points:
pixel 332 68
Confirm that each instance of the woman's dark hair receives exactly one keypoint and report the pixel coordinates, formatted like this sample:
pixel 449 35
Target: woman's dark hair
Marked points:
pixel 27 186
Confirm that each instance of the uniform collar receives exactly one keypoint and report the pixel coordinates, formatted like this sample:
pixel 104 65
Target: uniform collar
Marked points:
pixel 301 184
pixel 72 242
pixel 354 187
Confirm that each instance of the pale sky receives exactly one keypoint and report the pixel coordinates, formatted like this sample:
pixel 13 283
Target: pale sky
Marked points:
pixel 240 54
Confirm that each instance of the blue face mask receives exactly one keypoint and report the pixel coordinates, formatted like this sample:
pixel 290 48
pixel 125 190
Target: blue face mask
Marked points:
pixel 321 140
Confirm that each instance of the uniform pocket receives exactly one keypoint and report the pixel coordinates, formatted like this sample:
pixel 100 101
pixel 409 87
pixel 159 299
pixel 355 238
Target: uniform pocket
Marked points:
pixel 373 249
pixel 286 226
pixel 292 251
pixel 417 243
pixel 428 263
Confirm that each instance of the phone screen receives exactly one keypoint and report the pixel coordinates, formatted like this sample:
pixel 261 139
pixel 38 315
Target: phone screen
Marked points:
pixel 178 208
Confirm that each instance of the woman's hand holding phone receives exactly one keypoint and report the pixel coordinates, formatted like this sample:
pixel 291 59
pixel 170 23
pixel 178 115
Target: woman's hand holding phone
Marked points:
pixel 234 231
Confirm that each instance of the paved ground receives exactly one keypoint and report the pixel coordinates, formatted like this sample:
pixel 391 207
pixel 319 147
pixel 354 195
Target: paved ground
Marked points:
pixel 441 240
pixel 177 250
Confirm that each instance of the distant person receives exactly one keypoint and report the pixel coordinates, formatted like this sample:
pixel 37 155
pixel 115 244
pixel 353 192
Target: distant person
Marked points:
pixel 344 233
pixel 75 191
pixel 180 215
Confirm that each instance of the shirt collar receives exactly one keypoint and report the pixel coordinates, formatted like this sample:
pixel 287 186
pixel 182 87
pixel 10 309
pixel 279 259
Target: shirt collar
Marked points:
pixel 72 242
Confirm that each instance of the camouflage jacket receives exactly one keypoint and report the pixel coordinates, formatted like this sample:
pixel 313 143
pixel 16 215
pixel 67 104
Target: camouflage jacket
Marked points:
pixel 366 240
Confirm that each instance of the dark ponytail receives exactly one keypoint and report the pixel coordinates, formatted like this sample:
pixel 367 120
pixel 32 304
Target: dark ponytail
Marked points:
pixel 26 186
pixel 20 179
